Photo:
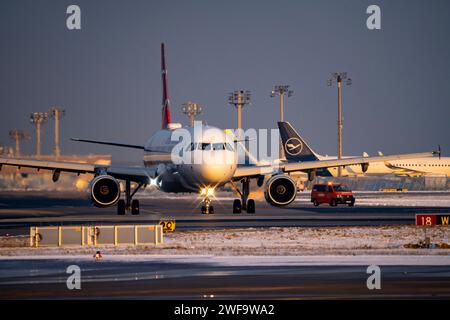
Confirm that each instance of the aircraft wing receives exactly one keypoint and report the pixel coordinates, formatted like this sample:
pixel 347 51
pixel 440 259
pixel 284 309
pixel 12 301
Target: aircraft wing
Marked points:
pixel 253 171
pixel 115 144
pixel 310 165
pixel 406 172
pixel 137 174
pixel 249 171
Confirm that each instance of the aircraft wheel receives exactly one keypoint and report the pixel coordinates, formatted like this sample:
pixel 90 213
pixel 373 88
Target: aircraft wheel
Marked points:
pixel 211 210
pixel 251 208
pixel 203 210
pixel 135 207
pixel 237 206
pixel 121 207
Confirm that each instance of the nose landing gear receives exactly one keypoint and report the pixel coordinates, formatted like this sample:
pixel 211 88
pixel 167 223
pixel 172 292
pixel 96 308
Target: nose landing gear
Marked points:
pixel 244 203
pixel 207 208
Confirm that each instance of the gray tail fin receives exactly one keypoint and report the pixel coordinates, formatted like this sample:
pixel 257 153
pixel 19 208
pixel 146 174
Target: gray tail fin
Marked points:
pixel 295 148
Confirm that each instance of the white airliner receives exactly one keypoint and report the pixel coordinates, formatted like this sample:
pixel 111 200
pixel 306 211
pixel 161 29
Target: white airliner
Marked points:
pixel 296 149
pixel 159 168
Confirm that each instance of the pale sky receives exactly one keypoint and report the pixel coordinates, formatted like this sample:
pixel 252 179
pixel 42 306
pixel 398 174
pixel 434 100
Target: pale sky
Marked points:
pixel 107 75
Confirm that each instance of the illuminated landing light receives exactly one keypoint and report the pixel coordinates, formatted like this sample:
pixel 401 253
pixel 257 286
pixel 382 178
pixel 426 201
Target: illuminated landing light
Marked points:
pixel 154 182
pixel 207 192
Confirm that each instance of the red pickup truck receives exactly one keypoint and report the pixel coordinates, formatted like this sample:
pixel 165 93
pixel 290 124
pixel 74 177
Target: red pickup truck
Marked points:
pixel 333 194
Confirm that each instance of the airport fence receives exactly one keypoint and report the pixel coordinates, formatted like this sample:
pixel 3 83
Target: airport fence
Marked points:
pixel 96 235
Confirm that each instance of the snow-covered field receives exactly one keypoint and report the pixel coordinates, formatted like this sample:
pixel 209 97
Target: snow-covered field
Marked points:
pixel 407 199
pixel 389 240
pixel 363 198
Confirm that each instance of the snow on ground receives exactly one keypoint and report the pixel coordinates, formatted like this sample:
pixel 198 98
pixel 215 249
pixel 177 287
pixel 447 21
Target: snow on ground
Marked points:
pixel 363 198
pixel 293 241
pixel 407 199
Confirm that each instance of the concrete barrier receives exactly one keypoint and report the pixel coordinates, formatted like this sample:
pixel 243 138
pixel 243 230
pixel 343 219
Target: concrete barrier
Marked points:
pixel 96 235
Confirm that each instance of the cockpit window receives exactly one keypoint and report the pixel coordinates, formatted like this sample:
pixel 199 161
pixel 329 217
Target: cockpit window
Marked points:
pixel 204 146
pixel 218 146
pixel 211 146
pixel 191 147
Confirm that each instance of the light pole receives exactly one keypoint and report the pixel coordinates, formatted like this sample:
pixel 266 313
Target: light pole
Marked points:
pixel 191 109
pixel 281 91
pixel 57 113
pixel 38 118
pixel 239 99
pixel 18 135
pixel 338 77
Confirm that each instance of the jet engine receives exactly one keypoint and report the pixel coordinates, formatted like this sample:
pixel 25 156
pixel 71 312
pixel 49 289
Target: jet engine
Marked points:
pixel 364 167
pixel 280 190
pixel 104 190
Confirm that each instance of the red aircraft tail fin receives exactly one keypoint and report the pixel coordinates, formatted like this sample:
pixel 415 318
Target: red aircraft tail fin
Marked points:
pixel 165 93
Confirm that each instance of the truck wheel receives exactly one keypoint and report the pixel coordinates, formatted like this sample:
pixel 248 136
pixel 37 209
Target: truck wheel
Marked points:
pixel 316 203
pixel 351 204
pixel 333 203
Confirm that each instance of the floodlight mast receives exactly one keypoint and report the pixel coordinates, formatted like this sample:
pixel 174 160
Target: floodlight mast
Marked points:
pixel 57 113
pixel 191 109
pixel 38 118
pixel 239 99
pixel 18 135
pixel 281 91
pixel 338 77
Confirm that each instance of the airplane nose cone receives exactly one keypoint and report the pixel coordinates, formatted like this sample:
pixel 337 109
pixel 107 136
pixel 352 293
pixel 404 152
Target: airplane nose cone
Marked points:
pixel 215 173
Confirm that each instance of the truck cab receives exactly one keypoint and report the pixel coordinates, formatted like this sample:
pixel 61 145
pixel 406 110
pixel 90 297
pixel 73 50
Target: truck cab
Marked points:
pixel 333 194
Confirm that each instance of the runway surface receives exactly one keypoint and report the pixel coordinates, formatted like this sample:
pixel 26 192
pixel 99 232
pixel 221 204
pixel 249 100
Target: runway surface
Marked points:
pixel 20 210
pixel 166 279
pixel 195 278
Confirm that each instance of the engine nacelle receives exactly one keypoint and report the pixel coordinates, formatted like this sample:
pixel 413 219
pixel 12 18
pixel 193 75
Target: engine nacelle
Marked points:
pixel 104 190
pixel 364 167
pixel 280 190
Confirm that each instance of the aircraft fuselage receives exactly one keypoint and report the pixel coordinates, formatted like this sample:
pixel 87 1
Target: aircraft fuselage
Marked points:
pixel 187 160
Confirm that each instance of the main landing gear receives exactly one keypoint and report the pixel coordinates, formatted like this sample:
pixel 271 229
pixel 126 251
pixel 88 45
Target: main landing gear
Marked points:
pixel 244 203
pixel 129 205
